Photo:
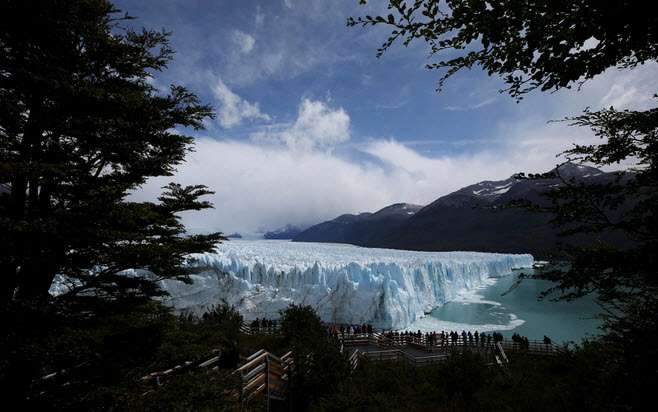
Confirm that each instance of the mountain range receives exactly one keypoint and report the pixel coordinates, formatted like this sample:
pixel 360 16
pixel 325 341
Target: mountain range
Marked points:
pixel 363 229
pixel 286 232
pixel 462 220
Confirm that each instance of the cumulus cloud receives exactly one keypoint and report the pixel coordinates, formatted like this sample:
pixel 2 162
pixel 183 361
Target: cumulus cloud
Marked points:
pixel 244 41
pixel 233 109
pixel 262 187
pixel 317 126
pixel 288 173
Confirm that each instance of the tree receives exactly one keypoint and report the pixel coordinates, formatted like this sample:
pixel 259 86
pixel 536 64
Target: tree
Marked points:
pixel 548 45
pixel 81 126
pixel 321 366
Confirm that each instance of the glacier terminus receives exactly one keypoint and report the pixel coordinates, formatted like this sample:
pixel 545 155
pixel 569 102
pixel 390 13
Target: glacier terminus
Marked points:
pixel 345 284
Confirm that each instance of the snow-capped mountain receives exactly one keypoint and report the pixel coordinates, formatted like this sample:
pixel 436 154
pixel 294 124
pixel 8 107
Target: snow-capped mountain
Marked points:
pixel 501 191
pixel 460 220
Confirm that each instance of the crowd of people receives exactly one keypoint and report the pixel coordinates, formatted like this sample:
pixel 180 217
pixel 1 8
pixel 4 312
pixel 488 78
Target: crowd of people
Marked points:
pixel 352 330
pixel 522 341
pixel 267 324
pixel 445 339
pixel 428 339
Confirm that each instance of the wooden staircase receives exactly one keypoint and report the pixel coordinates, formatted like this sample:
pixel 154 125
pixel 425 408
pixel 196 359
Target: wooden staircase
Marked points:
pixel 266 373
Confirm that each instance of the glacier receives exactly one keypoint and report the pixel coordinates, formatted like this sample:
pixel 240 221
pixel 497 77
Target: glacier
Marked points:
pixel 345 284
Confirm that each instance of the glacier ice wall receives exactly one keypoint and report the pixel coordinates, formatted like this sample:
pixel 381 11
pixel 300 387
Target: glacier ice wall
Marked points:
pixel 346 284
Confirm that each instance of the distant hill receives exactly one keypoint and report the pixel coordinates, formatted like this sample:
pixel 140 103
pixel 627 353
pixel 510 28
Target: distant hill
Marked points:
pixel 286 232
pixel 459 220
pixel 234 236
pixel 362 229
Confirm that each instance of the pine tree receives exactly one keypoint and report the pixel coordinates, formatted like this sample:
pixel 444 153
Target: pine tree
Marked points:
pixel 81 126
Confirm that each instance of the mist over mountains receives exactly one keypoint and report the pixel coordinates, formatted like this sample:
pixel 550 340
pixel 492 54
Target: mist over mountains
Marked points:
pixel 363 229
pixel 462 220
pixel 286 232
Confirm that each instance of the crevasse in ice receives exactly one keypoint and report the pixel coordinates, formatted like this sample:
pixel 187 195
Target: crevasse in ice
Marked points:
pixel 344 283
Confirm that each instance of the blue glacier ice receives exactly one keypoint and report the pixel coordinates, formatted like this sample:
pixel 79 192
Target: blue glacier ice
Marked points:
pixel 347 284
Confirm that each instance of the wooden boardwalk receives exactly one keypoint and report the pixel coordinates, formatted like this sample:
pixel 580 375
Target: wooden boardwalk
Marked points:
pixel 376 346
pixel 266 373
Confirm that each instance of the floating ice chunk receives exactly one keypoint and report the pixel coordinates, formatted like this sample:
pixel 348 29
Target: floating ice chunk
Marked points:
pixel 432 324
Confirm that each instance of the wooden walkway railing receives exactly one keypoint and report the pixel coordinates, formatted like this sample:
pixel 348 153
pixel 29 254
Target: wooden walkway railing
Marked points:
pixel 265 372
pixel 533 347
pixel 247 329
pixel 394 348
pixel 390 350
pixel 155 380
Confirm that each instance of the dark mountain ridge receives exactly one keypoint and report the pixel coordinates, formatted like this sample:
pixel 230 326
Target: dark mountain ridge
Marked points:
pixel 463 221
pixel 362 229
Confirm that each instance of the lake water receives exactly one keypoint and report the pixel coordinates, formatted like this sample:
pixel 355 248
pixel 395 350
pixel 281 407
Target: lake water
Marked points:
pixel 485 310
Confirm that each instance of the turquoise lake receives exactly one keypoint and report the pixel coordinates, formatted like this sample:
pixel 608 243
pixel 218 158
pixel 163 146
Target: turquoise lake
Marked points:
pixel 485 310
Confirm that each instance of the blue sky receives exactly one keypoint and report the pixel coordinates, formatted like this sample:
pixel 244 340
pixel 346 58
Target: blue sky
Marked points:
pixel 310 124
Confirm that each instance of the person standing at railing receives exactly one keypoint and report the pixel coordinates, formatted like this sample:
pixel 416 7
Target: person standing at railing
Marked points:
pixel 547 340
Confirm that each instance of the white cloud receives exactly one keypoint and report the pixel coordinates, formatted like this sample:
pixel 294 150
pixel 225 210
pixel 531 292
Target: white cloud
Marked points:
pixel 267 186
pixel 234 109
pixel 631 89
pixel 295 179
pixel 317 126
pixel 244 41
